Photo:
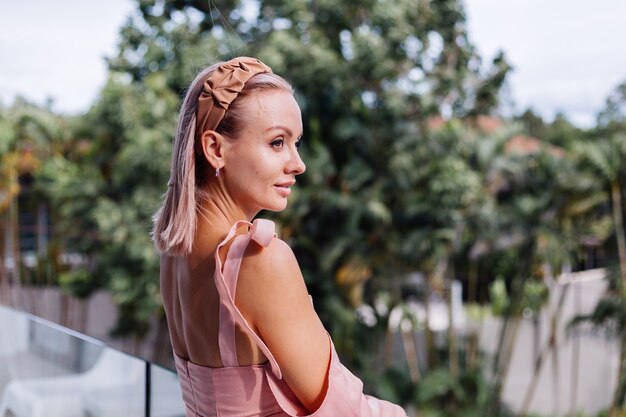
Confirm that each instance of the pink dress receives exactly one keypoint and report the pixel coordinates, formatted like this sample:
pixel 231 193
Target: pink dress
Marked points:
pixel 259 390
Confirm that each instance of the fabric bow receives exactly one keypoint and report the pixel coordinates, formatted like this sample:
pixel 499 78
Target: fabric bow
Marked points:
pixel 222 87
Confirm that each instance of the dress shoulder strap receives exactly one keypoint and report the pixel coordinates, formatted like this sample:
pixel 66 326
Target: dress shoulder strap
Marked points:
pixel 262 232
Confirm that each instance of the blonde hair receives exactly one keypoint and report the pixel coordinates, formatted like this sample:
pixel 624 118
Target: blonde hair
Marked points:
pixel 175 222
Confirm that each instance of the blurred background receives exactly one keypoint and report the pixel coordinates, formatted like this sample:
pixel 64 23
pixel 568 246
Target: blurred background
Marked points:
pixel 460 224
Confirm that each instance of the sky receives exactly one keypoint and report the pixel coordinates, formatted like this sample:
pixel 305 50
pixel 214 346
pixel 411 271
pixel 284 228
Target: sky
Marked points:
pixel 56 49
pixel 568 55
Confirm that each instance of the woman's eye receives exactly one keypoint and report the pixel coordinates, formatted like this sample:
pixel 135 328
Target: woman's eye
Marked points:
pixel 278 143
pixel 298 143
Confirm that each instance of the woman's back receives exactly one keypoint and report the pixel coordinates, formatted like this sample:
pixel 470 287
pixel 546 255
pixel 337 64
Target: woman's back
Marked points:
pixel 191 304
pixel 213 384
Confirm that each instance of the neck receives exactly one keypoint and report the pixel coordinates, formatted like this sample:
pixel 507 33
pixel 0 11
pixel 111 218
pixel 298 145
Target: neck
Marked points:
pixel 217 213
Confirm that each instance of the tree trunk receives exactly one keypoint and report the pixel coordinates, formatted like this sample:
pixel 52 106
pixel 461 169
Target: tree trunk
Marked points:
pixel 620 389
pixel 616 198
pixel 472 282
pixel 14 241
pixel 388 349
pixel 575 354
pixel 453 357
pixel 508 335
pixel 618 222
pixel 410 354
pixel 556 386
pixel 4 279
pixel 472 350
pixel 505 361
pixel 550 345
pixel 496 364
pixel 431 357
pixel 536 335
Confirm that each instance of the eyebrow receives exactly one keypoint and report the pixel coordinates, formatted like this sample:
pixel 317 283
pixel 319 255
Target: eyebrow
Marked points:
pixel 281 127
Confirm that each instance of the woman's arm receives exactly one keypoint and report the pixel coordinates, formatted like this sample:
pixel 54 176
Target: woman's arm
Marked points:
pixel 272 296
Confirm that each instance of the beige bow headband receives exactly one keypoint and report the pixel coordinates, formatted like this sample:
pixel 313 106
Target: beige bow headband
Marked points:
pixel 222 87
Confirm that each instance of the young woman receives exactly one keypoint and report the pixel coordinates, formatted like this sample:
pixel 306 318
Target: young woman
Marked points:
pixel 246 339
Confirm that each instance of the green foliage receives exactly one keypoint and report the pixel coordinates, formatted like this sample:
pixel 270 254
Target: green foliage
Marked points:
pixel 613 116
pixel 394 385
pixel 609 315
pixel 78 282
pixel 604 156
pixel 534 295
pixel 499 297
pixel 104 195
pixel 441 394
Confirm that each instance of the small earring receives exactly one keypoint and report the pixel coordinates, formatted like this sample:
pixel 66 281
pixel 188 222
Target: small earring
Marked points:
pixel 217 171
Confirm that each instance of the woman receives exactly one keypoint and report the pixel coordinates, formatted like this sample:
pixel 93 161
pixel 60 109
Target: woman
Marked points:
pixel 247 342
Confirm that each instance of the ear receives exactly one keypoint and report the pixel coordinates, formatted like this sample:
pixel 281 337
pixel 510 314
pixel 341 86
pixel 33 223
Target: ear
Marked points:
pixel 211 143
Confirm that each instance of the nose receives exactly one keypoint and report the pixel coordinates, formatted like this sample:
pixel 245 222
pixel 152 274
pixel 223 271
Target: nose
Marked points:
pixel 296 165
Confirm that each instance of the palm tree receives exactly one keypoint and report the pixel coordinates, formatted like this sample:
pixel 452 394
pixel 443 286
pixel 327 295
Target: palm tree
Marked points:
pixel 606 157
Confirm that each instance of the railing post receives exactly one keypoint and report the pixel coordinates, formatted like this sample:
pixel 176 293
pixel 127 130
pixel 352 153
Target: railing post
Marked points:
pixel 148 388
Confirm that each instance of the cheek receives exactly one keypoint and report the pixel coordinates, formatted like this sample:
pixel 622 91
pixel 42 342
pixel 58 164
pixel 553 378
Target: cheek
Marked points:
pixel 253 170
pixel 265 166
pixel 257 165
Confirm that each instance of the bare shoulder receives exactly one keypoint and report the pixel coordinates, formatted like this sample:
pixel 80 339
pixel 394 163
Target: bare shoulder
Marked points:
pixel 277 255
pixel 272 271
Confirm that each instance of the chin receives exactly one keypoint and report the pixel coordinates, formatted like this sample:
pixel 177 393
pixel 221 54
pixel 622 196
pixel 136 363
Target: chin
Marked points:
pixel 277 207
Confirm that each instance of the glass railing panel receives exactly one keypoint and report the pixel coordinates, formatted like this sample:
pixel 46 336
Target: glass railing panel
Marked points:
pixel 48 370
pixel 165 396
pixel 116 386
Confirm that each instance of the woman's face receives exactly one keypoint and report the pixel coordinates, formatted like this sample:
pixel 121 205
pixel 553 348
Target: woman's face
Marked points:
pixel 261 164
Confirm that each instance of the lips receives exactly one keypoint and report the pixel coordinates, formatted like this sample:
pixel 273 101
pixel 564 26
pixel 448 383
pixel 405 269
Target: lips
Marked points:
pixel 286 184
pixel 284 188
